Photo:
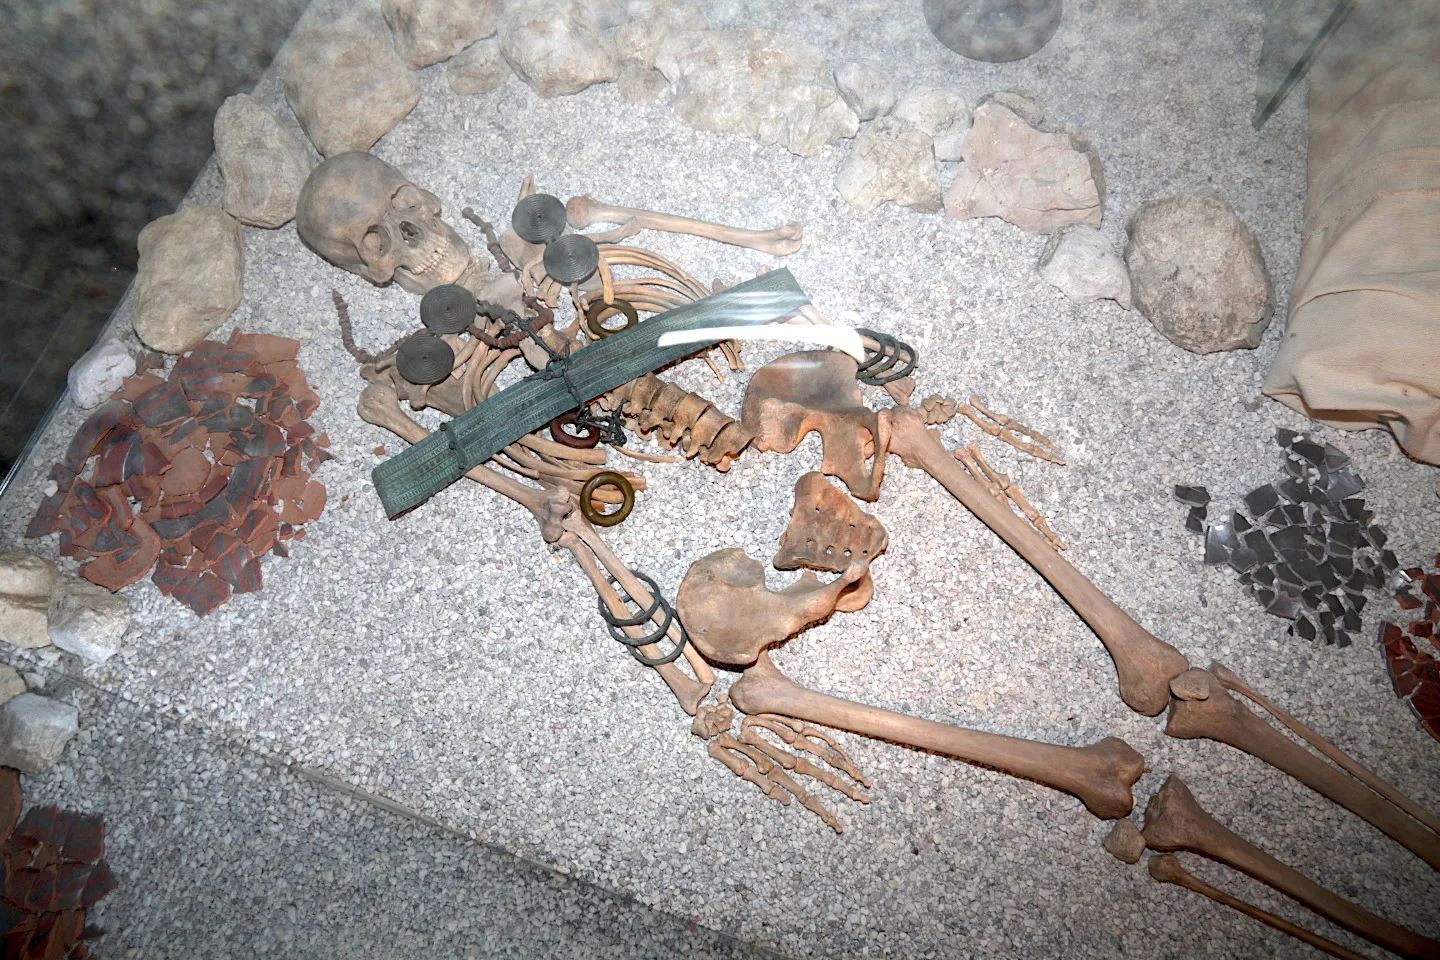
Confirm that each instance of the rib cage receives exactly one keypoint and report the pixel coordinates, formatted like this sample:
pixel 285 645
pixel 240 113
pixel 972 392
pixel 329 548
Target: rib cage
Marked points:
pixel 683 419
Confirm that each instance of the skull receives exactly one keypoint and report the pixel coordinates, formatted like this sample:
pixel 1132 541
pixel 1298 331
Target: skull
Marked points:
pixel 799 393
pixel 362 215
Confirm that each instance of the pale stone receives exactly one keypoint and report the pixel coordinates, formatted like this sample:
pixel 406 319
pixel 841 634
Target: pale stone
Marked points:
pixel 1036 180
pixel 26 575
pixel 345 82
pixel 263 162
pixel 99 373
pixel 941 113
pixel 25 585
pixel 641 84
pixel 428 31
pixel 1125 841
pixel 11 683
pixel 892 161
pixel 87 620
pixel 868 91
pixel 651 24
pixel 1084 266
pixel 1197 273
pixel 557 46
pixel 479 68
pixel 192 265
pixel 34 731
pixel 757 83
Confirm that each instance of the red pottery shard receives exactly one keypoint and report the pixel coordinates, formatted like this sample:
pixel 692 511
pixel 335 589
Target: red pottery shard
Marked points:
pixel 289 488
pixel 1426 703
pixel 299 430
pixel 187 433
pixel 112 539
pixel 145 490
pixel 285 370
pixel 265 347
pixel 47 518
pixel 314 502
pixel 41 823
pixel 232 417
pixel 1432 587
pixel 31 889
pixel 217 480
pixel 222 543
pixel 101 882
pixel 204 533
pixel 172 530
pixel 119 503
pixel 121 457
pixel 186 474
pixel 96 427
pixel 118 570
pixel 259 528
pixel 1422 629
pixel 250 480
pixel 173 508
pixel 204 595
pixel 258 383
pixel 10 801
pixel 156 454
pixel 70 880
pixel 279 550
pixel 136 386
pixel 292 513
pixel 161 405
pixel 1407 602
pixel 169 577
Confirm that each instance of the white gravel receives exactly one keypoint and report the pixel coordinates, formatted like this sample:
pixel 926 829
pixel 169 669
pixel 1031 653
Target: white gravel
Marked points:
pixel 451 662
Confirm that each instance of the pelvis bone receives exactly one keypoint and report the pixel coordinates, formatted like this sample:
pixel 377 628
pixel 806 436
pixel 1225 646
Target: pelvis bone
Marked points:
pixel 799 393
pixel 363 215
pixel 731 615
pixel 827 531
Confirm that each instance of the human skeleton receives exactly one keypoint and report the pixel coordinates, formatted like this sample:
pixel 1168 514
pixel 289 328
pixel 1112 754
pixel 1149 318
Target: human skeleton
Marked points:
pixel 728 618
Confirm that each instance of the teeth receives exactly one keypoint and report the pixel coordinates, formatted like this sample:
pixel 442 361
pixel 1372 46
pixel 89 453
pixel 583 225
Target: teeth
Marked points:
pixel 435 258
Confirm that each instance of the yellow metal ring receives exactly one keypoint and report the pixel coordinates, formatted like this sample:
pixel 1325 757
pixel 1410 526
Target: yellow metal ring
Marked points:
pixel 607 478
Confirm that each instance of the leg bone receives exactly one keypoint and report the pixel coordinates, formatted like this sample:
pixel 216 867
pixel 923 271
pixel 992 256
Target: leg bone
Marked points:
pixel 1222 718
pixel 1174 821
pixel 1143 662
pixel 1167 869
pixel 583 212
pixel 1100 775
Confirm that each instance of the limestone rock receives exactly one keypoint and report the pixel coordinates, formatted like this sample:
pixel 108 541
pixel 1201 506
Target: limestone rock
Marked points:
pixel 25 584
pixel 34 731
pixel 757 83
pixel 892 160
pixel 346 83
pixel 1197 273
pixel 99 372
pixel 651 23
pixel 942 114
pixel 557 46
pixel 1124 841
pixel 428 31
pixel 641 84
pixel 1036 180
pixel 11 683
pixel 264 163
pixel 87 620
pixel 1084 266
pixel 479 68
pixel 867 91
pixel 192 265
pixel 26 575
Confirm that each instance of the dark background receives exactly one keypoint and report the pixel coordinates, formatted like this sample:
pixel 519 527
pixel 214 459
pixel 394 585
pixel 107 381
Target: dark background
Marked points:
pixel 107 108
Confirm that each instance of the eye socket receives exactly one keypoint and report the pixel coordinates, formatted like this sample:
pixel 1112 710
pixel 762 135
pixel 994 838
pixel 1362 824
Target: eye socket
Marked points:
pixel 373 243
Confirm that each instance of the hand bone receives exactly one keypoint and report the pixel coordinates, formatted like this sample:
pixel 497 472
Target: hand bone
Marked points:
pixel 584 212
pixel 1221 717
pixel 1100 774
pixel 1167 869
pixel 1175 821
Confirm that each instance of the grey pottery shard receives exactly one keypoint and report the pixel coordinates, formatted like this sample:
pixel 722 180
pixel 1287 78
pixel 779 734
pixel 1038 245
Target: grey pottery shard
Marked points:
pixel 757 83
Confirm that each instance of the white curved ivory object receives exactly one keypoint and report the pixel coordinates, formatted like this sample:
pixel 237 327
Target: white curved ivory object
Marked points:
pixel 843 339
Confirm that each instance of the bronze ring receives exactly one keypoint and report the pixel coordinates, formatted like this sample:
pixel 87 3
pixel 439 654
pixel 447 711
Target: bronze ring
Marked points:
pixel 599 310
pixel 607 478
pixel 589 438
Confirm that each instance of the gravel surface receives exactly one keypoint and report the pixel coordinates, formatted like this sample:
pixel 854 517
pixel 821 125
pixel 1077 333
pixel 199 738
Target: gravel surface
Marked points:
pixel 216 848
pixel 451 662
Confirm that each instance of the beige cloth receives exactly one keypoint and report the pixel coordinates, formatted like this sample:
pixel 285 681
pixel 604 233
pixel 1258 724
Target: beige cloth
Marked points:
pixel 1362 342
